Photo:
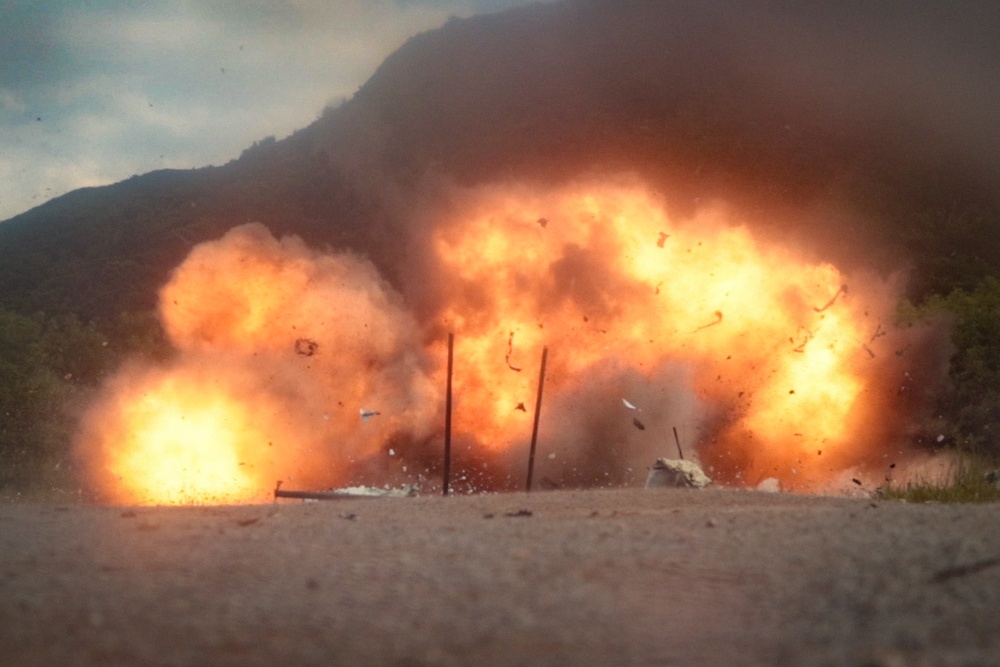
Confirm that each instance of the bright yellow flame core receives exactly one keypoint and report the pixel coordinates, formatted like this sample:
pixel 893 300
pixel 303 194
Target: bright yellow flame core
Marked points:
pixel 186 446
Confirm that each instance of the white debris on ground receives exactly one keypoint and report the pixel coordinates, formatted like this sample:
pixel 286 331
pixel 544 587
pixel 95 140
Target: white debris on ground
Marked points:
pixel 676 473
pixel 406 491
pixel 769 485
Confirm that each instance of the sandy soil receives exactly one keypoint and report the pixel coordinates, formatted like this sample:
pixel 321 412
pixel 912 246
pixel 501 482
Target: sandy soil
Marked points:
pixel 665 577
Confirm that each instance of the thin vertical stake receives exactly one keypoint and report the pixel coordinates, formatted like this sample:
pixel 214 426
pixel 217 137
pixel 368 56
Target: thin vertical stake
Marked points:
pixel 447 415
pixel 678 441
pixel 538 413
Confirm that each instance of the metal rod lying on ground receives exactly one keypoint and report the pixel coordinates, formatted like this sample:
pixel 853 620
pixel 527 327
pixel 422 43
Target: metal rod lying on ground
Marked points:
pixel 680 452
pixel 538 412
pixel 318 495
pixel 447 416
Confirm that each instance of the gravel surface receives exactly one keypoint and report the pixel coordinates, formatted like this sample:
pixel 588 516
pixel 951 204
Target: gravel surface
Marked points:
pixel 623 577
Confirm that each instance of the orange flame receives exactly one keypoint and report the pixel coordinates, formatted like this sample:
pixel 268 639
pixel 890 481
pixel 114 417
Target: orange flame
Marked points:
pixel 279 348
pixel 760 357
pixel 766 363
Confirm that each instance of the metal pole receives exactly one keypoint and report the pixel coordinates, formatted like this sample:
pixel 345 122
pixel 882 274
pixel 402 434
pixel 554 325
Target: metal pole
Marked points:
pixel 447 415
pixel 678 441
pixel 538 412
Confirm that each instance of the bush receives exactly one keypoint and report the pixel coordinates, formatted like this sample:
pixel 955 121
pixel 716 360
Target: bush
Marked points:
pixel 970 406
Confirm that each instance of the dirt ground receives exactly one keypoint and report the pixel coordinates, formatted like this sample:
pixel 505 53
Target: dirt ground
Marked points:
pixel 622 577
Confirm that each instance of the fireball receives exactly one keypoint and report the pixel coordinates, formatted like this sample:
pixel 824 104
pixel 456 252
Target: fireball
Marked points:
pixel 764 360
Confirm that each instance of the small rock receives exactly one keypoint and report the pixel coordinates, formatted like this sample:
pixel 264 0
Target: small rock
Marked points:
pixel 769 485
pixel 674 473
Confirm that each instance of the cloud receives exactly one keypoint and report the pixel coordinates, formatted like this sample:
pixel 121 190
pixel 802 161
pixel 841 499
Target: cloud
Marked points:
pixel 94 93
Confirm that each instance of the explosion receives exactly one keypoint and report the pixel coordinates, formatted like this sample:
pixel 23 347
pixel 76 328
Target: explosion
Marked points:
pixel 765 363
pixel 277 347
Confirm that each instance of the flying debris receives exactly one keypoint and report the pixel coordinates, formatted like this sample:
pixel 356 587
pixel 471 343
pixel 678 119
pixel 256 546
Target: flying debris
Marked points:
pixel 833 299
pixel 306 347
pixel 630 406
pixel 510 350
pixel 801 347
pixel 638 424
pixel 520 406
pixel 660 241
pixel 718 320
pixel 543 222
pixel 368 414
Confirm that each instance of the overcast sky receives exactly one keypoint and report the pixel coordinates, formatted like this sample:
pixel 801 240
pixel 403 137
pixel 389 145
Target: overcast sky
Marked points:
pixel 94 91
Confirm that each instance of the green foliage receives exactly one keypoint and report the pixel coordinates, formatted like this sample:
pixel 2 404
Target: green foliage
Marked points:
pixel 971 481
pixel 48 368
pixel 30 396
pixel 137 334
pixel 948 248
pixel 971 405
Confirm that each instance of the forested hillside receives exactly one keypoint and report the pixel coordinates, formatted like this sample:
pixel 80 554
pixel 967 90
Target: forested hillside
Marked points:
pixel 881 112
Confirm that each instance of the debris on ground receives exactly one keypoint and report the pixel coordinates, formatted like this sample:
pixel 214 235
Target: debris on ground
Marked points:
pixel 676 473
pixel 964 570
pixel 769 485
pixel 405 491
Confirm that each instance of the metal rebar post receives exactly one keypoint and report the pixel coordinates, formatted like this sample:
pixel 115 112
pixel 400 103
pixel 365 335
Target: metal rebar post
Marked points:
pixel 538 412
pixel 447 415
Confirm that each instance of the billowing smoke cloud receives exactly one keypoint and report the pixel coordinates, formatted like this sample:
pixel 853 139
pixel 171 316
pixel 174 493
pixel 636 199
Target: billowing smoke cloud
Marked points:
pixel 823 109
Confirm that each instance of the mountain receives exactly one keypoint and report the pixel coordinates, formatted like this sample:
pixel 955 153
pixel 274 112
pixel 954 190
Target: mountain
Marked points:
pixel 882 112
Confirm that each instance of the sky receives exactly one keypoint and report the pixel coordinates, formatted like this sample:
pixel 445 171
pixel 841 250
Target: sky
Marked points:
pixel 95 91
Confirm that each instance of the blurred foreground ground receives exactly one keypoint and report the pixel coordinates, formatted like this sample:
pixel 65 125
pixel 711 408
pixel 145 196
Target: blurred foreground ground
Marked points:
pixel 627 577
